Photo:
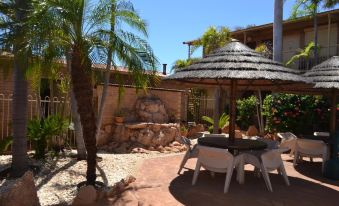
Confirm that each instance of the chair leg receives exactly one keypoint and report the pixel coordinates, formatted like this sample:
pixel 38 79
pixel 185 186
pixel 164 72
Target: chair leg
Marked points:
pixel 266 178
pixel 311 159
pixel 296 157
pixel 196 173
pixel 212 174
pixel 228 179
pixel 183 161
pixel 283 173
pixel 240 171
pixel 323 164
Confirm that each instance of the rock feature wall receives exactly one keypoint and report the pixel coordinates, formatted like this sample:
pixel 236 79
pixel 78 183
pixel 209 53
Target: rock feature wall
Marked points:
pixel 151 109
pixel 147 134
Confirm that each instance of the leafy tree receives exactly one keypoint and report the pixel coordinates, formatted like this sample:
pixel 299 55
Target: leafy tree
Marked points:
pixel 246 109
pixel 14 37
pixel 311 7
pixel 304 53
pixel 212 39
pixel 182 63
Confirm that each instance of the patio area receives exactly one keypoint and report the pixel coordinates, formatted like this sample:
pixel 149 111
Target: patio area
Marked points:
pixel 158 184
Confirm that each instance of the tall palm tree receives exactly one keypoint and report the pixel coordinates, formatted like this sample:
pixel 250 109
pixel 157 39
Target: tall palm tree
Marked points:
pixel 14 34
pixel 138 56
pixel 79 29
pixel 277 30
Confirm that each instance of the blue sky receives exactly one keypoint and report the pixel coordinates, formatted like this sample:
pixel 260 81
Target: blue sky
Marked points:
pixel 171 22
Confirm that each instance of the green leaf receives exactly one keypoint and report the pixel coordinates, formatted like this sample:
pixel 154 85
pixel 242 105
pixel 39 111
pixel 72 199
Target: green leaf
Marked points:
pixel 5 143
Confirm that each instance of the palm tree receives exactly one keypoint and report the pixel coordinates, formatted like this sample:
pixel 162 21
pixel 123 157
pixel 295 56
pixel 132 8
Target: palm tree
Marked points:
pixel 81 31
pixel 138 56
pixel 14 32
pixel 311 7
pixel 277 30
pixel 212 39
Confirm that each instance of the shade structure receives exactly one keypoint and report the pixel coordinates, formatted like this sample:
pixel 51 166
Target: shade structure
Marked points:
pixel 239 67
pixel 325 77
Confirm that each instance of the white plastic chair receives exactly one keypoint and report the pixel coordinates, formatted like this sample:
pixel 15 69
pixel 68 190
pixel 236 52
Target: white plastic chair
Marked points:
pixel 191 152
pixel 323 134
pixel 311 148
pixel 288 140
pixel 215 160
pixel 269 160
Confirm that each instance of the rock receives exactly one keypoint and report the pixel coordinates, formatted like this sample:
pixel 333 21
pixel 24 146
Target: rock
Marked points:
pixel 252 131
pixel 152 108
pixel 120 186
pixel 137 126
pixel 238 134
pixel 194 131
pixel 23 190
pixel 86 196
pixel 145 137
pixel 139 150
pixel 122 149
pixel 175 143
pixel 226 129
pixel 108 129
pixel 156 127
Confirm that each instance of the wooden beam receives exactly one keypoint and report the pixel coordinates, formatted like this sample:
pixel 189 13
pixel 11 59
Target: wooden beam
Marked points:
pixel 329 36
pixel 232 110
pixel 216 113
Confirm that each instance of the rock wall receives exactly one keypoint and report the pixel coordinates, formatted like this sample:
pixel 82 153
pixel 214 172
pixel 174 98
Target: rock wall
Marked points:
pixel 147 134
pixel 151 109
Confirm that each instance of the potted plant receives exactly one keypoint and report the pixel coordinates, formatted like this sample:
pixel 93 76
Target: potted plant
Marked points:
pixel 119 117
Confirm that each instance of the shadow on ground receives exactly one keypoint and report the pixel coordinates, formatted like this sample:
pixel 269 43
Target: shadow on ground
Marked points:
pixel 209 191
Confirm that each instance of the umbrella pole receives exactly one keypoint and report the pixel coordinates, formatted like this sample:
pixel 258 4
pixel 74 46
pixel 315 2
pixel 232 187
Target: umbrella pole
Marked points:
pixel 333 122
pixel 232 110
pixel 216 112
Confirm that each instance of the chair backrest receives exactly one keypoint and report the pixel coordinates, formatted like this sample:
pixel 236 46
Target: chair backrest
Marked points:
pixel 186 142
pixel 272 159
pixel 286 136
pixel 323 134
pixel 215 135
pixel 214 157
pixel 309 146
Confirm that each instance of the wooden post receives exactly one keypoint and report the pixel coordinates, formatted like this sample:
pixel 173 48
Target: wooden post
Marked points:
pixel 333 121
pixel 232 110
pixel 216 113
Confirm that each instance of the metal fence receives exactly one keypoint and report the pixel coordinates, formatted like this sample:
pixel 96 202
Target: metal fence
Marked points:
pixel 198 107
pixel 48 106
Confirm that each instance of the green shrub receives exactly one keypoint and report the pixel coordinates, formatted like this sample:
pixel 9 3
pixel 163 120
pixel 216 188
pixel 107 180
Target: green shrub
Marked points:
pixel 246 110
pixel 41 130
pixel 301 114
pixel 223 121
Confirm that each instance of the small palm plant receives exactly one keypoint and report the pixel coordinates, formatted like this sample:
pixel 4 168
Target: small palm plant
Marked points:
pixel 304 53
pixel 223 121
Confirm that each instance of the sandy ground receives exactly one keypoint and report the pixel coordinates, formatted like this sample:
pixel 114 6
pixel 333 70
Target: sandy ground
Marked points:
pixel 57 180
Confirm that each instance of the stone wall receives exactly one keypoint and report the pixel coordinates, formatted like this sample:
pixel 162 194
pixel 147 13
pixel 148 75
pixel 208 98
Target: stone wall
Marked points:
pixel 147 134
pixel 171 99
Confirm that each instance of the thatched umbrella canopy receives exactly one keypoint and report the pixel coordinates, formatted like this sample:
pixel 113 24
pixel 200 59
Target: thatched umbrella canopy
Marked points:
pixel 237 66
pixel 325 76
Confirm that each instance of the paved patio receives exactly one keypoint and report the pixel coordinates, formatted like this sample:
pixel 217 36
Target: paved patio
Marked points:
pixel 158 184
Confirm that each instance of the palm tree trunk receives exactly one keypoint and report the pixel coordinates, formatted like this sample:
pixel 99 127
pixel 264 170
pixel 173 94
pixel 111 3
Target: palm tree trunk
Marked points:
pixel 83 92
pixel 315 26
pixel 19 114
pixel 277 30
pixel 81 149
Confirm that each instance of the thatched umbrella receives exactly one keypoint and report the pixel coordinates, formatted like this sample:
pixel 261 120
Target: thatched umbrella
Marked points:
pixel 325 76
pixel 239 67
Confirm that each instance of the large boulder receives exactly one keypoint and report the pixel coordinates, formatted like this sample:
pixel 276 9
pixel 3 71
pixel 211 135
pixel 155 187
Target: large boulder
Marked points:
pixel 195 131
pixel 252 131
pixel 23 192
pixel 151 109
pixel 86 196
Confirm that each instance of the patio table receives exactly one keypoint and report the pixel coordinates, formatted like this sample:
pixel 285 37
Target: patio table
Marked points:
pixel 237 145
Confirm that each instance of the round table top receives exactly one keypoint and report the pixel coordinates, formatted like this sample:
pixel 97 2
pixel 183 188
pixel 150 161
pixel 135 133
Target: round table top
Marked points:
pixel 238 144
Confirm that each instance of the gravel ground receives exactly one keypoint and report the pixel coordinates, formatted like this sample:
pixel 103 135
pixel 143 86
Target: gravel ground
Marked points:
pixel 57 180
